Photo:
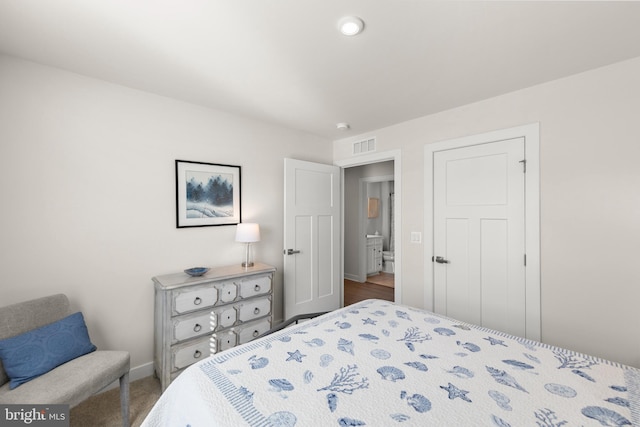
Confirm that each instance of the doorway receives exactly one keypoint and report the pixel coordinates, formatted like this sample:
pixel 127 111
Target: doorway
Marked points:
pixel 354 237
pixel 369 232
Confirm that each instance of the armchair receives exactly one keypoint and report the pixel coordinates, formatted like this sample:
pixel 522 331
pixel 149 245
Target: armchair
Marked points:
pixel 71 382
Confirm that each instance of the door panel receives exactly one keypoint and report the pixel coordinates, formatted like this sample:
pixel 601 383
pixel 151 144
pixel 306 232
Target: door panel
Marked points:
pixel 299 270
pixel 479 229
pixel 318 182
pixel 477 181
pixel 326 226
pixel 457 295
pixel 312 280
pixel 494 265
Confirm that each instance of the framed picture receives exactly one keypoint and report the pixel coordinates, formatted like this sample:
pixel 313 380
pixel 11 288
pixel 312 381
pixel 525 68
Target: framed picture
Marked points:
pixel 207 194
pixel 372 207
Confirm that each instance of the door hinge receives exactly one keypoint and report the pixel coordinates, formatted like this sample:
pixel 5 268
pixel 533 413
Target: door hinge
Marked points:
pixel 525 260
pixel 524 165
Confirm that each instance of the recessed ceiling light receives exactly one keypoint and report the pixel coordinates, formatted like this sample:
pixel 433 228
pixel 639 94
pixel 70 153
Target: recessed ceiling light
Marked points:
pixel 350 25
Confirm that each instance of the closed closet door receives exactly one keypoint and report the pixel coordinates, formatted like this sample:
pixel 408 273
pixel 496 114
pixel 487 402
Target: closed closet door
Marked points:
pixel 479 234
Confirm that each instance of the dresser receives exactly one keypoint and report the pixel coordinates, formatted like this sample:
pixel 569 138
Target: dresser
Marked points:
pixel 374 254
pixel 195 317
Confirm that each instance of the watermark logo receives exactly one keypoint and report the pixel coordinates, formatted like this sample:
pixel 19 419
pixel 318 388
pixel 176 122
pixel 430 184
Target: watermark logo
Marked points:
pixel 34 415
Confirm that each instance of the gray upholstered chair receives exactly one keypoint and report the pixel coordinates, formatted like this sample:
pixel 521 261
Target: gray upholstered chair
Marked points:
pixel 71 382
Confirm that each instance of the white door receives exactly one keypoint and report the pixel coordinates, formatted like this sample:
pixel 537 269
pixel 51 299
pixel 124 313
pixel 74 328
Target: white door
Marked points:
pixel 479 234
pixel 312 281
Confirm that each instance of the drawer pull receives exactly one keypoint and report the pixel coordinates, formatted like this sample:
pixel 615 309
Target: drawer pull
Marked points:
pixel 256 310
pixel 256 333
pixel 257 288
pixel 197 328
pixel 197 301
pixel 197 354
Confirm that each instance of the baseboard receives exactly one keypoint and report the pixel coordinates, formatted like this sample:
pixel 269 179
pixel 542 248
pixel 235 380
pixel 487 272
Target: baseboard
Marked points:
pixel 141 371
pixel 136 373
pixel 352 277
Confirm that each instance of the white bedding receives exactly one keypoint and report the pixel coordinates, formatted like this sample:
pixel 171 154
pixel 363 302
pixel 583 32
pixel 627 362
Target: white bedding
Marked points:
pixel 376 363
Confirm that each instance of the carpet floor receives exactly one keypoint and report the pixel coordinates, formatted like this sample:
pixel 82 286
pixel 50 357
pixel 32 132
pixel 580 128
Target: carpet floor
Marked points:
pixel 103 410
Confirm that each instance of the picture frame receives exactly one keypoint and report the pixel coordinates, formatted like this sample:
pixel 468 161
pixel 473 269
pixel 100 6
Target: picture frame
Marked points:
pixel 207 194
pixel 372 207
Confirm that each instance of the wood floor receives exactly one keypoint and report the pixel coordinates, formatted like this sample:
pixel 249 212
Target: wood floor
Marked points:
pixel 355 291
pixel 382 278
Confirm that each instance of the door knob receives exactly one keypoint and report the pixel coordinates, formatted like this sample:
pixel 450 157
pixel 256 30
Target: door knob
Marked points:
pixel 441 260
pixel 292 252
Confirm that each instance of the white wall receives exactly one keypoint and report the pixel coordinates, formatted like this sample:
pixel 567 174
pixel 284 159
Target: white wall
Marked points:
pixel 590 200
pixel 88 194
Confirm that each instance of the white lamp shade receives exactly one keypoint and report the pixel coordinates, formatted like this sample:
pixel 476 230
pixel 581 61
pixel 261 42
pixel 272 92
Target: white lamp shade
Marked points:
pixel 248 232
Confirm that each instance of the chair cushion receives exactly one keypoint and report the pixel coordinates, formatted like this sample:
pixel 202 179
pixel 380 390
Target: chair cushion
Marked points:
pixel 72 382
pixel 31 354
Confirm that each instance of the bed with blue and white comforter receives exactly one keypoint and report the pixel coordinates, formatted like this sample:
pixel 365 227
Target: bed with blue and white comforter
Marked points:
pixel 376 363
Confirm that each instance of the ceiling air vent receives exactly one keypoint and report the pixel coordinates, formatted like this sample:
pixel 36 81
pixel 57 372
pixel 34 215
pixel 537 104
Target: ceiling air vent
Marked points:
pixel 364 146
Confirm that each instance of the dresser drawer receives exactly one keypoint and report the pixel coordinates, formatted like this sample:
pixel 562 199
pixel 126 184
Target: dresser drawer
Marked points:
pixel 225 340
pixel 227 292
pixel 225 316
pixel 191 326
pixel 194 299
pixel 183 356
pixel 251 331
pixel 254 309
pixel 254 286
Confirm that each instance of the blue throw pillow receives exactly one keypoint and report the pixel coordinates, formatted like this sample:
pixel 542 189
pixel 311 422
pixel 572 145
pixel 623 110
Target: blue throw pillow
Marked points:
pixel 27 356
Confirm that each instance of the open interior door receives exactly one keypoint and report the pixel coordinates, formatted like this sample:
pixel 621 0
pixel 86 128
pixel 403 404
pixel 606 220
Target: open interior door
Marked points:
pixel 312 273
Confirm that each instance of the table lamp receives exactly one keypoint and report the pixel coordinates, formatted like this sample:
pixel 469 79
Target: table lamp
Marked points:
pixel 247 233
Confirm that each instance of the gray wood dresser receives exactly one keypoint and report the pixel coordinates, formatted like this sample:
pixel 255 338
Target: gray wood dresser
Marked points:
pixel 199 316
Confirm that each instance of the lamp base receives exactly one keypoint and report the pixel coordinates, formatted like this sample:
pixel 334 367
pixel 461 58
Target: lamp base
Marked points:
pixel 247 256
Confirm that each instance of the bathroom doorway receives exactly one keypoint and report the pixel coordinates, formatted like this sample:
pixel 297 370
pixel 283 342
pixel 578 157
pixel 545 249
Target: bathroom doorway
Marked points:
pixel 377 225
pixel 369 228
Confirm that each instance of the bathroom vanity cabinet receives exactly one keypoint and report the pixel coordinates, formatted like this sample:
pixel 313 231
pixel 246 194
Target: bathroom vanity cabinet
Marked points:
pixel 374 254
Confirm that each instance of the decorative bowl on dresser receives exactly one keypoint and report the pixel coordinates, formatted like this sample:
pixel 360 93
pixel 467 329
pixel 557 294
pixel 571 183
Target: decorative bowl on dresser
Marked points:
pixel 198 316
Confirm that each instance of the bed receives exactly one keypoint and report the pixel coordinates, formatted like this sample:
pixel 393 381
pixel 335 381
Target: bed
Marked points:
pixel 377 363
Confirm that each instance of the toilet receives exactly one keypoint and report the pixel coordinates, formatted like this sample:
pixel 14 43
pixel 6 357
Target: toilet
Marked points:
pixel 388 262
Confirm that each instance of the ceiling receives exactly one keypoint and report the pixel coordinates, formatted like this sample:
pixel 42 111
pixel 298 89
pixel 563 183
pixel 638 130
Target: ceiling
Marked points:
pixel 284 62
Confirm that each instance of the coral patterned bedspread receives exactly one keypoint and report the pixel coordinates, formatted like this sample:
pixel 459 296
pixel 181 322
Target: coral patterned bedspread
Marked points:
pixel 376 363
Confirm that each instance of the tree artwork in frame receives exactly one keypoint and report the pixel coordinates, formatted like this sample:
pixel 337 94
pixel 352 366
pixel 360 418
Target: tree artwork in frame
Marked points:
pixel 207 194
